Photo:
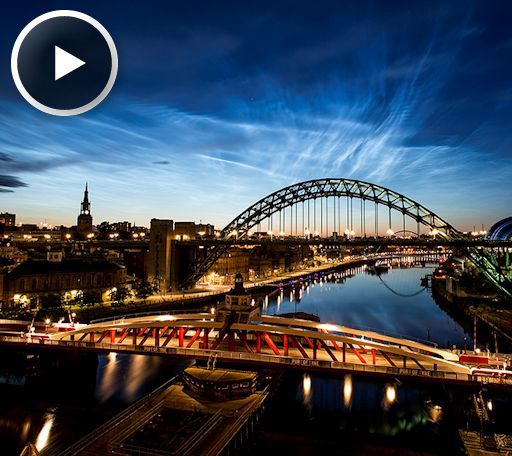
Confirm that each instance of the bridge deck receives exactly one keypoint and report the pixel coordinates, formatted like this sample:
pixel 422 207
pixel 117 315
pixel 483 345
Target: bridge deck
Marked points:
pixel 272 341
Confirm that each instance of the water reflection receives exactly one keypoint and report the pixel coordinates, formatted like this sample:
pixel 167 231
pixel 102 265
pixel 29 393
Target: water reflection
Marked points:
pixel 306 390
pixel 125 377
pixel 357 298
pixel 347 391
pixel 389 397
pixel 435 412
pixel 44 434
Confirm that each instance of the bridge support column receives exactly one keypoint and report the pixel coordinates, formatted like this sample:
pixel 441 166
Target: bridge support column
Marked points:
pixel 373 356
pixel 205 338
pixel 181 336
pixel 156 336
pixel 285 344
pixel 258 342
pixel 112 336
pixel 91 337
pixel 231 341
pixel 344 352
pixel 314 349
pixel 134 336
pixel 405 362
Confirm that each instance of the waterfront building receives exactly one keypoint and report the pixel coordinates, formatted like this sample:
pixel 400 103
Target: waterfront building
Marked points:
pixel 34 280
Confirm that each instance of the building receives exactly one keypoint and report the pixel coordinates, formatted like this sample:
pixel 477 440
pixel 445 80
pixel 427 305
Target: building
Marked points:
pixel 84 221
pixel 184 231
pixel 159 268
pixel 170 258
pixel 33 280
pixel 238 307
pixel 8 220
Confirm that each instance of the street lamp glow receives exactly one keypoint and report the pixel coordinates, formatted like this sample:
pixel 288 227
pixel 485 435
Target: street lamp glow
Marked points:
pixel 390 232
pixel 90 235
pixel 68 236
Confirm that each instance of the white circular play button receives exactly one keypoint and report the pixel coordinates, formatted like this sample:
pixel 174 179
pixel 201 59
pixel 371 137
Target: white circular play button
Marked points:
pixel 64 63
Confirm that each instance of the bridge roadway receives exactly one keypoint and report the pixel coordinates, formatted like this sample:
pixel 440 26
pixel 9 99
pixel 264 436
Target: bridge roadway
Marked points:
pixel 288 240
pixel 270 341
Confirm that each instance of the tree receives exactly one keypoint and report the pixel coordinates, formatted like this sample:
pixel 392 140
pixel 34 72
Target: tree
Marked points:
pixel 120 295
pixel 89 298
pixel 144 289
pixel 51 302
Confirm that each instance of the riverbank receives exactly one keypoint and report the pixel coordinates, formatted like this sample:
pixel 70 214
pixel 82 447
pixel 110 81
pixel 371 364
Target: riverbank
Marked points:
pixel 203 300
pixel 495 315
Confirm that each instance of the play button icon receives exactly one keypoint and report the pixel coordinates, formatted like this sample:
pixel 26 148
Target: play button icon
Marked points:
pixel 64 63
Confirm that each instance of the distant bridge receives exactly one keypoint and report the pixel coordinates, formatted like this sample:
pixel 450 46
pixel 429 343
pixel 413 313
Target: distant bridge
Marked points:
pixel 270 341
pixel 280 210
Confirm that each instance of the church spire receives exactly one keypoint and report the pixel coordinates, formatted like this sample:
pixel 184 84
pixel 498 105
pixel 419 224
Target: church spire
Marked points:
pixel 86 206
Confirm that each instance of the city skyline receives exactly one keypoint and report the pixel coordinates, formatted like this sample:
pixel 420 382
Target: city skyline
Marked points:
pixel 210 113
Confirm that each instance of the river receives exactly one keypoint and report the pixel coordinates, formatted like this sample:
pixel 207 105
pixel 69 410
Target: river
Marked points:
pixel 311 414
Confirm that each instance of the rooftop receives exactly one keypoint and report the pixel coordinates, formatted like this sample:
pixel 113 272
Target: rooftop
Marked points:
pixel 32 267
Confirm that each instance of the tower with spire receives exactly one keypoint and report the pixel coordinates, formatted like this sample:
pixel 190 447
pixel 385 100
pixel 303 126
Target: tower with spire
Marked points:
pixel 84 222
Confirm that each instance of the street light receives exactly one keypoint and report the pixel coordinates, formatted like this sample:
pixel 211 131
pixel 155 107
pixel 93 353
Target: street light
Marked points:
pixel 47 323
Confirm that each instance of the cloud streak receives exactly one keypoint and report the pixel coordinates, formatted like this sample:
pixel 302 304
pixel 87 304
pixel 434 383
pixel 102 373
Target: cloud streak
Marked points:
pixel 390 98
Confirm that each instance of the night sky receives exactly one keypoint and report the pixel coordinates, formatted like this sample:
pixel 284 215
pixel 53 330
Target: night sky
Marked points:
pixel 219 103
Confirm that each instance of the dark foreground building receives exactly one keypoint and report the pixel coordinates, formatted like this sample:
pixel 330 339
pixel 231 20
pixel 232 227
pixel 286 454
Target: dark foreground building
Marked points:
pixel 33 280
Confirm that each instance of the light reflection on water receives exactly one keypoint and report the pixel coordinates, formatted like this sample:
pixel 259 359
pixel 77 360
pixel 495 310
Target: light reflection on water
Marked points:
pixel 125 378
pixel 356 298
pixel 44 416
pixel 44 434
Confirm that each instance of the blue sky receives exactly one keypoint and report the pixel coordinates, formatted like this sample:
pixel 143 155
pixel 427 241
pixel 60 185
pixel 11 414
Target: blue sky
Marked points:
pixel 219 103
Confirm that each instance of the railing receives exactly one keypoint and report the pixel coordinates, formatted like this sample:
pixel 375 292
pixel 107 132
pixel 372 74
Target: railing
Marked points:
pixel 105 427
pixel 133 425
pixel 117 318
pixel 266 358
pixel 221 445
pixel 392 334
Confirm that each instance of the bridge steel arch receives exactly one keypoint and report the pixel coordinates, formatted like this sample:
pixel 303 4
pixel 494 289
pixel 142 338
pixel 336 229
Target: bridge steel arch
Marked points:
pixel 350 188
pixel 311 190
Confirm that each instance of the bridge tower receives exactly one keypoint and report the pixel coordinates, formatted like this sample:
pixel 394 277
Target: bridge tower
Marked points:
pixel 238 307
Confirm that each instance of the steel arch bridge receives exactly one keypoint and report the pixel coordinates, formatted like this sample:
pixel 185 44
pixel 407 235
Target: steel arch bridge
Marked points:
pixel 351 189
pixel 312 190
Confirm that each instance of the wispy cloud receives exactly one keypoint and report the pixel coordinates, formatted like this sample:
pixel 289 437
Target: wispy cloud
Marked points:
pixel 380 100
